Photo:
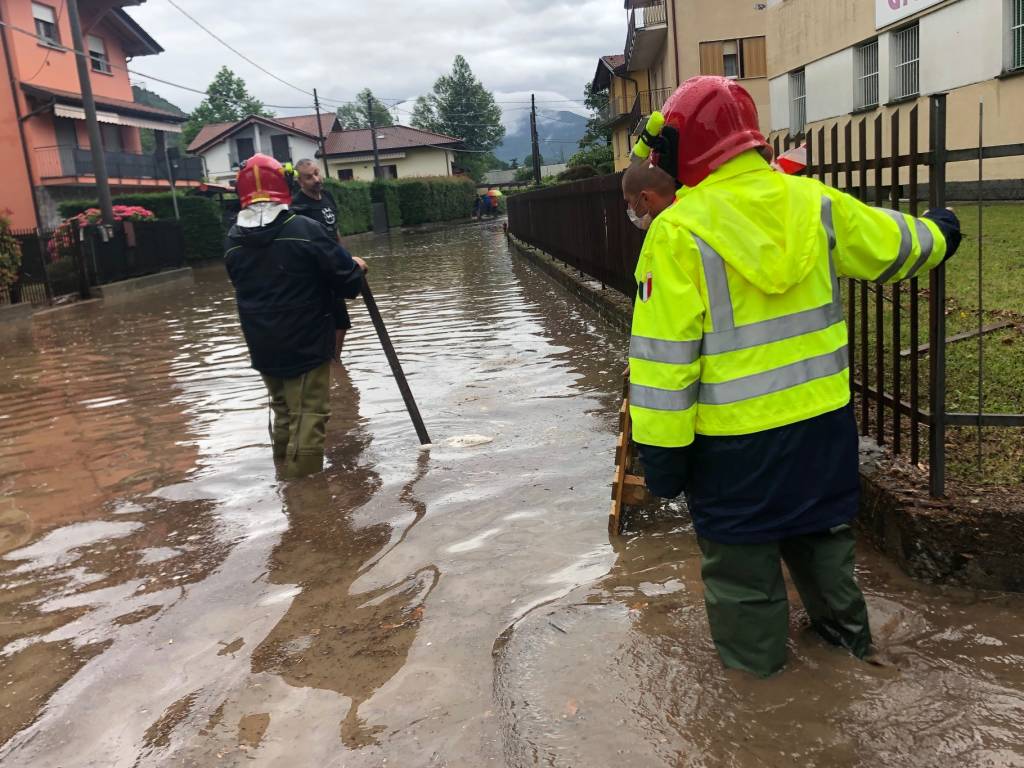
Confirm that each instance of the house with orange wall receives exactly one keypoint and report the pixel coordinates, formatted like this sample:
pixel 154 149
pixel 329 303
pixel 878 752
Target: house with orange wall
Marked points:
pixel 44 145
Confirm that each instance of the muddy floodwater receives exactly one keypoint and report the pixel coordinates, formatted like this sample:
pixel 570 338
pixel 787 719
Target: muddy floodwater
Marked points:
pixel 167 601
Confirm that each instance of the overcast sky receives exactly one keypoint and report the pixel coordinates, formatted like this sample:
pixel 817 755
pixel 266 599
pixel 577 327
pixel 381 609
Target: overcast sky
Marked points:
pixel 395 47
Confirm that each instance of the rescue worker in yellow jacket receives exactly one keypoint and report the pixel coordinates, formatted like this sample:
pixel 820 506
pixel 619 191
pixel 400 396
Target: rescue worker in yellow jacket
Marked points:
pixel 740 384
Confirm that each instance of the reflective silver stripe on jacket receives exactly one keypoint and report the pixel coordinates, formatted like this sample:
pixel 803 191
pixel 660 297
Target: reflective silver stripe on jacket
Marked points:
pixel 927 241
pixel 906 246
pixel 663 399
pixel 718 287
pixel 775 380
pixel 661 351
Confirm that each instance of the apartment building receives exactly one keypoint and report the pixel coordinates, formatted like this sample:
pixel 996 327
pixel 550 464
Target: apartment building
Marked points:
pixel 669 41
pixel 44 144
pixel 833 60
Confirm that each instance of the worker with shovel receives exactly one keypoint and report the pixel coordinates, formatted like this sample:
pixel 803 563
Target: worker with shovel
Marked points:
pixel 289 275
pixel 740 382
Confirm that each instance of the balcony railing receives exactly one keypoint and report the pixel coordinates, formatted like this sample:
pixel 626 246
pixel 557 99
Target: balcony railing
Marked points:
pixel 58 162
pixel 644 104
pixel 616 107
pixel 642 23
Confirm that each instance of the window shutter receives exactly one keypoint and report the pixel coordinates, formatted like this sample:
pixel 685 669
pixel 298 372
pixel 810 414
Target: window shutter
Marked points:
pixel 712 58
pixel 755 62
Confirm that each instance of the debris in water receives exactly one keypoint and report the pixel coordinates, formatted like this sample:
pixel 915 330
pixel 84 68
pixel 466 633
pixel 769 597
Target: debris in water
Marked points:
pixel 468 441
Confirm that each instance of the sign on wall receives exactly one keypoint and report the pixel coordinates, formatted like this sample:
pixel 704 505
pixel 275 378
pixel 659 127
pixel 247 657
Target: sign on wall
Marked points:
pixel 890 11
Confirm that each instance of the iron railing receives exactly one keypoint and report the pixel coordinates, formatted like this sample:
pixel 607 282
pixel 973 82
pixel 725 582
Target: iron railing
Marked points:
pixel 900 400
pixel 644 104
pixel 655 14
pixel 62 161
pixel 616 107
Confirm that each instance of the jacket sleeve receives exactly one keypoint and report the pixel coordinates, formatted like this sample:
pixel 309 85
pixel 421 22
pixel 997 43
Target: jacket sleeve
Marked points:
pixel 344 275
pixel 886 246
pixel 664 349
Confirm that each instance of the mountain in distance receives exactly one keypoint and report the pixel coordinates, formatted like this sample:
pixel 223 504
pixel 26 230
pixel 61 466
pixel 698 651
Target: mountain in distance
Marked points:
pixel 559 133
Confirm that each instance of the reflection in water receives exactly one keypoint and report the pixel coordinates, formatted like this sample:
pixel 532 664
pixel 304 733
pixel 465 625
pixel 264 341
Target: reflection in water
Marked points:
pixel 332 638
pixel 167 600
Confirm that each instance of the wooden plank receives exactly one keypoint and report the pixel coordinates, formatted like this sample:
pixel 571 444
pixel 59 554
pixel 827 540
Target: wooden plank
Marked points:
pixel 963 336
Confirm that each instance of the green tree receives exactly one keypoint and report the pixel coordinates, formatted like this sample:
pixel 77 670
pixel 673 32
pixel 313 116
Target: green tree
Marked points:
pixel 595 147
pixel 460 106
pixel 227 100
pixel 357 115
pixel 142 95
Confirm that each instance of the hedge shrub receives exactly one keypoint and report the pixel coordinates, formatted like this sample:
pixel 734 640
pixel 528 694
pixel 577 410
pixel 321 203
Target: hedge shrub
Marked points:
pixel 200 219
pixel 10 255
pixel 355 210
pixel 433 198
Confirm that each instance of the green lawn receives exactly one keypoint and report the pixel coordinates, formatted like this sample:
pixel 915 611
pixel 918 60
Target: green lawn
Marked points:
pixel 1003 351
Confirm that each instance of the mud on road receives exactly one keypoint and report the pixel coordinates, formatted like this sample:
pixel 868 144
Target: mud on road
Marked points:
pixel 168 601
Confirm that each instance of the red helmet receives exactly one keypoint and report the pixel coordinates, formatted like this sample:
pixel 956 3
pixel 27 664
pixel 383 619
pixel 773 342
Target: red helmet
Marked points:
pixel 262 180
pixel 715 119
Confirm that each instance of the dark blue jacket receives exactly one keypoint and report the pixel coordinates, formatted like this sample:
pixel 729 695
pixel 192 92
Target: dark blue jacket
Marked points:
pixel 288 276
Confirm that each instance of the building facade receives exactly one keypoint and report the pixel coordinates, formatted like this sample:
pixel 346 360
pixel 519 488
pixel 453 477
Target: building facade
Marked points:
pixel 225 146
pixel 669 41
pixel 830 61
pixel 44 144
pixel 403 152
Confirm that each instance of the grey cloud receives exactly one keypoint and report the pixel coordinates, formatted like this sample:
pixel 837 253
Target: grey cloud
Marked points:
pixel 396 47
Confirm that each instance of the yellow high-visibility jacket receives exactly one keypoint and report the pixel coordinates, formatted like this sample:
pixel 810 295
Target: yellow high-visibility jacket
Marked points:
pixel 738 323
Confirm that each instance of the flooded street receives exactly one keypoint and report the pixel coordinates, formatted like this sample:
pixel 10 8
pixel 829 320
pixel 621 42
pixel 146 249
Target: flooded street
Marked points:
pixel 167 601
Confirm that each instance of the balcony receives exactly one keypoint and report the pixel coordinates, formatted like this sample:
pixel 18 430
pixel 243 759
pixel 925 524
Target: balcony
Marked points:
pixel 57 164
pixel 644 104
pixel 648 31
pixel 616 109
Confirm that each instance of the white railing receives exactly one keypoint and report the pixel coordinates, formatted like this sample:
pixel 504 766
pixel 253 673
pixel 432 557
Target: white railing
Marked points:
pixel 798 102
pixel 866 84
pixel 906 50
pixel 1017 33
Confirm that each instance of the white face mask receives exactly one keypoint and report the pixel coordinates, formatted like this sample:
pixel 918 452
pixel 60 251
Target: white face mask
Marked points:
pixel 640 222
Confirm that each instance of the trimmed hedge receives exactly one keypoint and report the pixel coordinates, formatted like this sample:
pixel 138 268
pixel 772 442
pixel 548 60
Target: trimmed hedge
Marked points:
pixel 355 209
pixel 200 219
pixel 434 199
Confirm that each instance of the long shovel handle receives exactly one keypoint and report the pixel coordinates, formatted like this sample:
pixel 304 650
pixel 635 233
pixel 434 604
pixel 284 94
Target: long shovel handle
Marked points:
pixel 396 367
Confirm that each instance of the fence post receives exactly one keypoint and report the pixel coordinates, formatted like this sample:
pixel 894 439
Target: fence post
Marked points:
pixel 937 310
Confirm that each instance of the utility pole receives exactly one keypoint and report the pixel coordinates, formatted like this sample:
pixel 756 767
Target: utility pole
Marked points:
pixel 89 105
pixel 373 136
pixel 534 139
pixel 320 132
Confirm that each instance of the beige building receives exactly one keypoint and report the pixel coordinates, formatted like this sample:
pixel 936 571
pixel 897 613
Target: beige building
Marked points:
pixel 403 152
pixel 832 61
pixel 669 41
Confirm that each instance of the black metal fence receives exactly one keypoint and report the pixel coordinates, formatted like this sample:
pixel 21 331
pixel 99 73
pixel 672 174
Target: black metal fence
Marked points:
pixel 68 261
pixel 900 402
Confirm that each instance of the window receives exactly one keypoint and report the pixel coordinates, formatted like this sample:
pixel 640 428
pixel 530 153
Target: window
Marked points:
pixel 865 86
pixel 388 172
pixel 741 58
pixel 906 59
pixel 1017 34
pixel 46 24
pixel 110 135
pixel 245 149
pixel 345 174
pixel 798 102
pixel 279 147
pixel 98 54
pixel 731 58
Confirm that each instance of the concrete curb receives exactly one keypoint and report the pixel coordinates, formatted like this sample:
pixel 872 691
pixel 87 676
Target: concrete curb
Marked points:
pixel 126 290
pixel 957 541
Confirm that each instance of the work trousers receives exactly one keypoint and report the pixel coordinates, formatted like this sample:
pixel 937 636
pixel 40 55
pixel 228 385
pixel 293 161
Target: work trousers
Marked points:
pixel 745 596
pixel 300 408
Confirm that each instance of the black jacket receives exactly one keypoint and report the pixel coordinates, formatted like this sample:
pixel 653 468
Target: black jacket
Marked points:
pixel 287 277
